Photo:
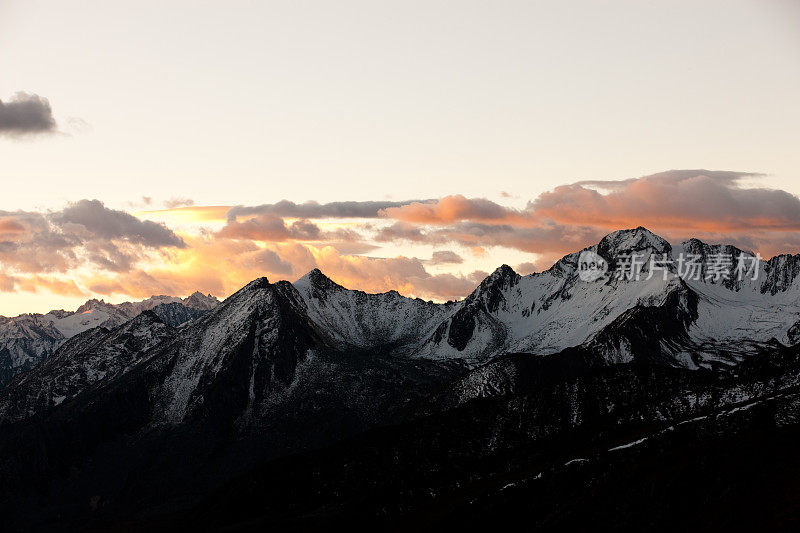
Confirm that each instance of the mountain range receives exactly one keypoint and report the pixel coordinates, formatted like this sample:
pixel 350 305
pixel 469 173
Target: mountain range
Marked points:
pixel 549 398
pixel 28 339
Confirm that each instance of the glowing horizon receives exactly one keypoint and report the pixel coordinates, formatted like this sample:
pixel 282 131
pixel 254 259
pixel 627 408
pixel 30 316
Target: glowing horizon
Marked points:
pixel 152 147
pixel 433 249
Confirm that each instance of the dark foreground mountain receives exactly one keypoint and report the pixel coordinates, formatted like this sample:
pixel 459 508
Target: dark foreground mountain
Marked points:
pixel 658 402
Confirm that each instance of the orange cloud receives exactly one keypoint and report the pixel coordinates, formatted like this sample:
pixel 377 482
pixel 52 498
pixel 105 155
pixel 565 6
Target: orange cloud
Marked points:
pixel 7 283
pixel 93 246
pixel 677 204
pixel 452 209
pixel 9 227
pixel 700 200
pixel 221 266
pixel 269 227
pixel 63 287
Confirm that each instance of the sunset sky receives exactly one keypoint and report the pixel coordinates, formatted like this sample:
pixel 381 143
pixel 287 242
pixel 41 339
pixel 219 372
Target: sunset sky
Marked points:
pixel 166 147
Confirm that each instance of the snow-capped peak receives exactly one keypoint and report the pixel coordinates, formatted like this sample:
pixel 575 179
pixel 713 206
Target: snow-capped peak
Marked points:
pixel 198 300
pixel 543 313
pixel 502 275
pixel 31 338
pixel 632 240
pixel 490 290
pixel 91 305
pixel 315 279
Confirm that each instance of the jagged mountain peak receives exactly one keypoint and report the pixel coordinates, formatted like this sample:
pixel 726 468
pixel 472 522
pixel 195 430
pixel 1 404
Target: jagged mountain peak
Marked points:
pixel 541 313
pixel 263 376
pixel 502 278
pixel 315 279
pixel 145 317
pixel 258 283
pixel 198 300
pixel 92 356
pixel 698 247
pixel 59 313
pixel 252 300
pixel 261 331
pixel 503 272
pixel 611 247
pixel 91 304
pixel 27 340
pixel 782 272
pixel 632 240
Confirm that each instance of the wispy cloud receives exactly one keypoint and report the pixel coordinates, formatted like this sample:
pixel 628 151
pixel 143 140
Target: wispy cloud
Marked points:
pixel 178 202
pixel 312 210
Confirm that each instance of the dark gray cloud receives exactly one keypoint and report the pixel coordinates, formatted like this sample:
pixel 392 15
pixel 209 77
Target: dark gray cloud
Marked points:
pixel 84 232
pixel 447 286
pixel 271 262
pixel 304 230
pixel 402 231
pixel 526 268
pixel 273 228
pixel 547 238
pixel 285 208
pixel 99 221
pixel 722 177
pixel 178 202
pixel 445 257
pixel 26 114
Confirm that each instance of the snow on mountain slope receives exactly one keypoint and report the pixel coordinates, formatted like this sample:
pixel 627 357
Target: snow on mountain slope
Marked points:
pixel 176 314
pixel 283 368
pixel 227 362
pixel 98 313
pixel 367 321
pixel 28 339
pixel 202 302
pixel 721 318
pixel 547 312
pixel 661 315
pixel 24 341
pixel 541 313
pixel 278 350
pixel 90 357
pixel 742 309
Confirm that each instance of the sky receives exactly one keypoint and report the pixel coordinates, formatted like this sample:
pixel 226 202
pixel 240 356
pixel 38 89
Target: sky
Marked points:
pixel 166 147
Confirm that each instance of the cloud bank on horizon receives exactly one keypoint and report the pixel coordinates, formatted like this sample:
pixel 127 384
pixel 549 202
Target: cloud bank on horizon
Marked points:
pixel 424 248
